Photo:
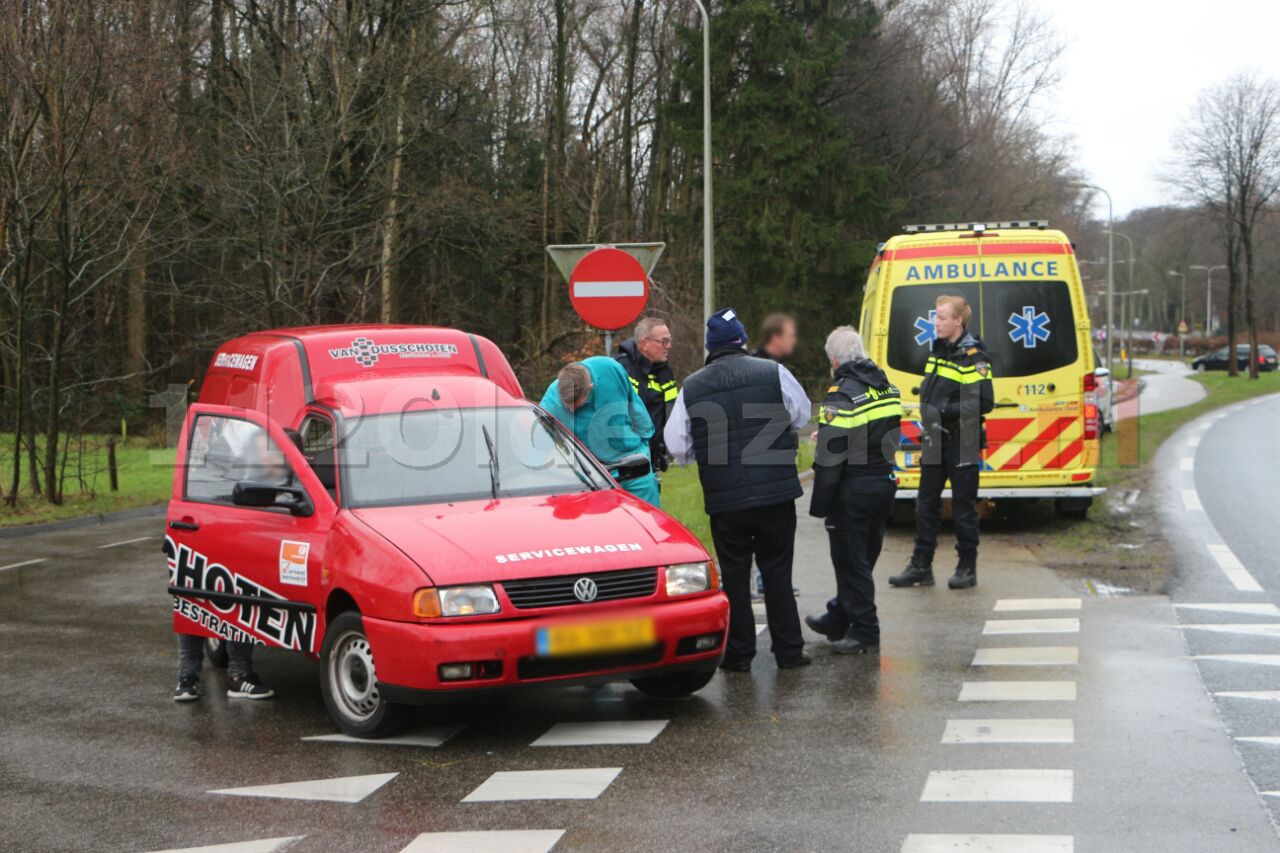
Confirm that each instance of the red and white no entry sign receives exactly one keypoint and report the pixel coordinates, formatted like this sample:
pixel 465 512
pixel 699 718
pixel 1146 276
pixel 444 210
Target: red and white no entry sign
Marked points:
pixel 608 288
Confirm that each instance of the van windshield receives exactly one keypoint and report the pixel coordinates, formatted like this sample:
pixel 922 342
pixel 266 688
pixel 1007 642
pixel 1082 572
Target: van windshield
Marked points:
pixel 444 456
pixel 1028 326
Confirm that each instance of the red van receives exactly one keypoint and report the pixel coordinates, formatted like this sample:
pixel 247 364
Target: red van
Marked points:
pixel 384 499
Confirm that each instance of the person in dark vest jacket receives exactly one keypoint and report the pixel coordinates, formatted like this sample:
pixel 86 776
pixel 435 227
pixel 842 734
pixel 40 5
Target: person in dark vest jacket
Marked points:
pixel 644 357
pixel 854 487
pixel 955 394
pixel 737 417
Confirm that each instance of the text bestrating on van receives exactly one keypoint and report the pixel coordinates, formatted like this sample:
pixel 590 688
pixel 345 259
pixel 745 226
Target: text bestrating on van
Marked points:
pixel 567 551
pixel 273 626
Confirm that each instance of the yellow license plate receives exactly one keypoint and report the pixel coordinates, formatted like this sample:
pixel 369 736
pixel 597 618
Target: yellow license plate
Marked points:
pixel 594 637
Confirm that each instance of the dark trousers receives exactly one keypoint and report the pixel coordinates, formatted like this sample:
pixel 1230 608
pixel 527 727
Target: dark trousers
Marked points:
pixel 855 529
pixel 964 507
pixel 768 533
pixel 191 657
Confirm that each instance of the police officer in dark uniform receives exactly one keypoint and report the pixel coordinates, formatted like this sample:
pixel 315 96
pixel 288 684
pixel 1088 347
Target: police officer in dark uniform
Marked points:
pixel 644 357
pixel 955 394
pixel 854 487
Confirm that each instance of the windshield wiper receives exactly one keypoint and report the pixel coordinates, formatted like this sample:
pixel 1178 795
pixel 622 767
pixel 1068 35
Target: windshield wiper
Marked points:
pixel 555 428
pixel 493 460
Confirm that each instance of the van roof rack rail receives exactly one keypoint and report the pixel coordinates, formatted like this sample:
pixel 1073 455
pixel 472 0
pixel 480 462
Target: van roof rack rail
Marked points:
pixel 1039 224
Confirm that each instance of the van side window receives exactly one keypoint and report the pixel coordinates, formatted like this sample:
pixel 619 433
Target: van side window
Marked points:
pixel 223 451
pixel 318 448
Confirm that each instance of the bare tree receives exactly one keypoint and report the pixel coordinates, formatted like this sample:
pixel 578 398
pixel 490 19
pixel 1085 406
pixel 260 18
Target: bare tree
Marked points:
pixel 1229 164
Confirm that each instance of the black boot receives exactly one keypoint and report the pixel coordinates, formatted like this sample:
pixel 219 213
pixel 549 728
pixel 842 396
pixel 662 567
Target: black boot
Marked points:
pixel 966 574
pixel 919 572
pixel 825 626
pixel 851 645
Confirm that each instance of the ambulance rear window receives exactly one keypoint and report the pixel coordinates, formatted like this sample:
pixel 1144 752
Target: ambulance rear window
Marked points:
pixel 1028 327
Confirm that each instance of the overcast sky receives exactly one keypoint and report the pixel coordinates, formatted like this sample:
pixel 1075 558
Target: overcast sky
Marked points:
pixel 1132 71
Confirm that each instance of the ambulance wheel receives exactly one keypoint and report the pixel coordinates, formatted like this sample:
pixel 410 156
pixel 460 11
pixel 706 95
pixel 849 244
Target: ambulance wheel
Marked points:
pixel 216 651
pixel 349 682
pixel 673 685
pixel 1076 509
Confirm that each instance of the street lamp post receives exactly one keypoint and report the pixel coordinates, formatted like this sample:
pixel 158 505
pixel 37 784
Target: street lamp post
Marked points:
pixel 1111 283
pixel 1126 319
pixel 1182 318
pixel 1208 298
pixel 708 245
pixel 1133 272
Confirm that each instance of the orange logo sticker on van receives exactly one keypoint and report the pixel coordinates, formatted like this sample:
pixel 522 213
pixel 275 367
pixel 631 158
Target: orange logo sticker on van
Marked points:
pixel 293 562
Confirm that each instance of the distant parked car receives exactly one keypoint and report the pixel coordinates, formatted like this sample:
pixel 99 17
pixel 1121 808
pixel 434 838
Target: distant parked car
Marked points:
pixel 1218 360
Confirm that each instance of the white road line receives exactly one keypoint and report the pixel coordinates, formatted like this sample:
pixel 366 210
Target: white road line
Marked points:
pixel 430 737
pixel 602 733
pixel 1268 629
pixel 1191 500
pixel 1257 609
pixel 1193 441
pixel 1258 660
pixel 1012 604
pixel 1018 691
pixel 261 845
pixel 1261 695
pixel 344 789
pixel 989 844
pixel 586 783
pixel 998 786
pixel 23 563
pixel 997 627
pixel 1187 463
pixel 760 629
pixel 491 841
pixel 1232 567
pixel 1028 656
pixel 125 542
pixel 1265 741
pixel 1009 731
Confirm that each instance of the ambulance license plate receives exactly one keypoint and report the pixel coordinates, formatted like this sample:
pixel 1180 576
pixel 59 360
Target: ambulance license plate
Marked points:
pixel 595 637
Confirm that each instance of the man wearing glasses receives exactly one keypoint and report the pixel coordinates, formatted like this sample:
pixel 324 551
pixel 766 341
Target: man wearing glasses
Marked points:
pixel 644 357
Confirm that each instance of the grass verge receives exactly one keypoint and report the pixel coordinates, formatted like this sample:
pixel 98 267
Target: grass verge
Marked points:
pixel 145 476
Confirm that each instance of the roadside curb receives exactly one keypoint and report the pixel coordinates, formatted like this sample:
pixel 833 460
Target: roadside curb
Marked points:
pixel 154 511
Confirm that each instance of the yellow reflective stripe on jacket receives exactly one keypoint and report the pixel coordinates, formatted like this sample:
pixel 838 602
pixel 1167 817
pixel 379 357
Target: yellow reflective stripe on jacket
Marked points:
pixel 667 389
pixel 862 415
pixel 955 372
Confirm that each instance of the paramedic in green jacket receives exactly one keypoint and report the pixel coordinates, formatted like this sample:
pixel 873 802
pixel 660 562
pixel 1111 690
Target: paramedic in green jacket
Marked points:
pixel 595 400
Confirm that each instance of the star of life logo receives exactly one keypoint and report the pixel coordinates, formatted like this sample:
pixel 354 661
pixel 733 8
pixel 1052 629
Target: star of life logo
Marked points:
pixel 1030 327
pixel 927 332
pixel 366 352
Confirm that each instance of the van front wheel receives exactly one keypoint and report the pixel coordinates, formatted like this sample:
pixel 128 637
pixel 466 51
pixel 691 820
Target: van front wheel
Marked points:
pixel 349 682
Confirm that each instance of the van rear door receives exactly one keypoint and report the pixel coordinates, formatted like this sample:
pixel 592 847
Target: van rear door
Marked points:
pixel 1029 329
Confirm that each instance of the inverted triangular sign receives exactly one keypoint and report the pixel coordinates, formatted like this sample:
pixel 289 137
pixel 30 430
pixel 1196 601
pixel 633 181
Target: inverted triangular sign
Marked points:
pixel 567 257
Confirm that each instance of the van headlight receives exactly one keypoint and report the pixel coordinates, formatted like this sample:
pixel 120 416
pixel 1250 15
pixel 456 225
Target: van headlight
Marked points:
pixel 686 578
pixel 468 600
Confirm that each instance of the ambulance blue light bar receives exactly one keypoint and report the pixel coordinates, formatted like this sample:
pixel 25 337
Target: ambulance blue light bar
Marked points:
pixel 1039 224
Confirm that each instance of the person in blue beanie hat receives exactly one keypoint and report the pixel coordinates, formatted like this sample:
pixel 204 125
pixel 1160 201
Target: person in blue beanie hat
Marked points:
pixel 737 417
pixel 594 399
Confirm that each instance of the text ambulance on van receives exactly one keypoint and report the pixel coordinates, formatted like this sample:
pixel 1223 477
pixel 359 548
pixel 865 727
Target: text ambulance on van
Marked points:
pixel 430 533
pixel 1023 284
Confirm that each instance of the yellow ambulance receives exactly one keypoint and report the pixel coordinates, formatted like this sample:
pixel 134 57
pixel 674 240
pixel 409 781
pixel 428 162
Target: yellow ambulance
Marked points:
pixel 1023 284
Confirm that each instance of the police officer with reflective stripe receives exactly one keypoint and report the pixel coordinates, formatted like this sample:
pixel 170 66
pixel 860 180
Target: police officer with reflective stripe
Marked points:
pixel 954 396
pixel 645 359
pixel 854 487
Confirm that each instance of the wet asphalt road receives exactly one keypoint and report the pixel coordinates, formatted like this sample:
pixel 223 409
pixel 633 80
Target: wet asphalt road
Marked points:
pixel 1219 489
pixel 838 756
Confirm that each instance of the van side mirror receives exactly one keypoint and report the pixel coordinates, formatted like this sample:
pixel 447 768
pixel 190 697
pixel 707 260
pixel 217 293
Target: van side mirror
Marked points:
pixel 631 467
pixel 268 495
